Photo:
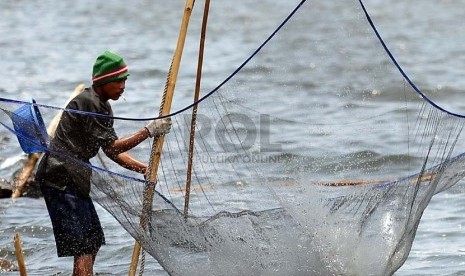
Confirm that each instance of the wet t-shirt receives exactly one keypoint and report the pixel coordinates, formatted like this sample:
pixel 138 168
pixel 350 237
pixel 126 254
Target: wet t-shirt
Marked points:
pixel 78 138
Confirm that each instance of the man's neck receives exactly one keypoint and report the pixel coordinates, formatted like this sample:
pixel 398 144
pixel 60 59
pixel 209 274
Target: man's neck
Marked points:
pixel 99 92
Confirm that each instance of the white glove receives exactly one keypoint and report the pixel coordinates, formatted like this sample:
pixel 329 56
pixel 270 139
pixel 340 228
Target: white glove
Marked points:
pixel 159 127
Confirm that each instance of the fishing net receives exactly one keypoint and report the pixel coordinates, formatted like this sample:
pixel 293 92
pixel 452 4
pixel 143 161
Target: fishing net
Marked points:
pixel 283 183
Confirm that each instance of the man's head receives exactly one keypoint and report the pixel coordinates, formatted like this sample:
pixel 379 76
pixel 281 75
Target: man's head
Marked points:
pixel 108 67
pixel 109 76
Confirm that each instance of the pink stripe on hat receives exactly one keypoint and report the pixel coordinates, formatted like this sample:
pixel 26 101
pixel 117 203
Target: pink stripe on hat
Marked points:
pixel 111 74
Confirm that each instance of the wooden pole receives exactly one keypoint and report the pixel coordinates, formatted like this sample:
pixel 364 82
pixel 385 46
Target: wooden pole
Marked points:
pixel 26 172
pixel 194 110
pixel 158 145
pixel 19 255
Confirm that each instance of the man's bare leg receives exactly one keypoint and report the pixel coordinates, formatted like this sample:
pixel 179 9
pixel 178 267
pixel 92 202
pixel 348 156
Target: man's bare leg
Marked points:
pixel 84 265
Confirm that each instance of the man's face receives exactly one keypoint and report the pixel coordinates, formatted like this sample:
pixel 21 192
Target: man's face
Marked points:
pixel 113 90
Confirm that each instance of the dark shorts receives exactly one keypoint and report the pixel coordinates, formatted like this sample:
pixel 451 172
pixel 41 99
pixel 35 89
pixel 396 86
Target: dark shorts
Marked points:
pixel 75 222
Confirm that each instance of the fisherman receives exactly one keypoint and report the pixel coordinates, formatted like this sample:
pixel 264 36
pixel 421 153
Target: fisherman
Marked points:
pixel 64 174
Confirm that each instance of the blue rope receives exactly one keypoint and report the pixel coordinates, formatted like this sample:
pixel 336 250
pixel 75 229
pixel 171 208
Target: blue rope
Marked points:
pixel 46 149
pixel 415 176
pixel 191 105
pixel 246 61
pixel 393 59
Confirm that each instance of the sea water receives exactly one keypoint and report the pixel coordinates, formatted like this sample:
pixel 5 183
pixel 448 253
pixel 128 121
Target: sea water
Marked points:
pixel 48 47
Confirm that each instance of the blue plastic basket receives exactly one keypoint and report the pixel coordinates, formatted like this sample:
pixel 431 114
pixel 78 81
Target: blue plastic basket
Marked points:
pixel 30 128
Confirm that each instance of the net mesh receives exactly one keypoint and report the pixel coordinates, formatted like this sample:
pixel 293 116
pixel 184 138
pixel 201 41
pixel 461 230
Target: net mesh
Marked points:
pixel 284 183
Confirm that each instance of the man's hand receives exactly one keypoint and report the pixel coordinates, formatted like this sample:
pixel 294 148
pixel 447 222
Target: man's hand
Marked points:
pixel 159 127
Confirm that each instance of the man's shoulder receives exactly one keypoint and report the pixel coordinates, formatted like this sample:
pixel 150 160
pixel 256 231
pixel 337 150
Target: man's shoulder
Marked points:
pixel 87 95
pixel 88 100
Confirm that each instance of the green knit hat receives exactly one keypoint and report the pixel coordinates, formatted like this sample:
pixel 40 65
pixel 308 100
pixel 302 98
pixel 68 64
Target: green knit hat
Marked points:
pixel 107 68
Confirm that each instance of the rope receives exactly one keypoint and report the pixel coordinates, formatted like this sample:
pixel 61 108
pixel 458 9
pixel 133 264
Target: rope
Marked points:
pixel 393 59
pixel 194 103
pixel 391 56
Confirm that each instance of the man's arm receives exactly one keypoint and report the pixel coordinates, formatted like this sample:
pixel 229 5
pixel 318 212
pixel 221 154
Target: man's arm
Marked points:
pixel 117 151
pixel 128 162
pixel 124 144
pixel 154 128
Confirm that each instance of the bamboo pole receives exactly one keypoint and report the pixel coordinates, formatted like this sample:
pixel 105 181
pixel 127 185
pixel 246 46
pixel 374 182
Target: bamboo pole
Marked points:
pixel 19 255
pixel 26 172
pixel 194 110
pixel 158 145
